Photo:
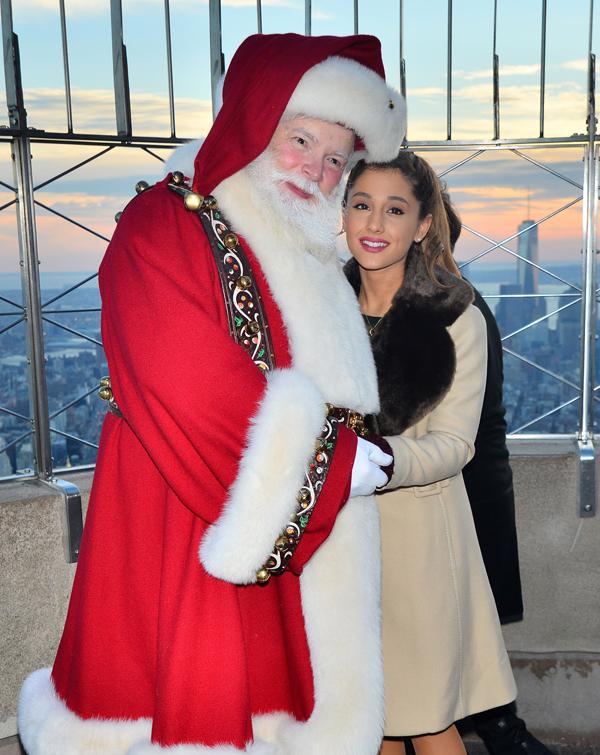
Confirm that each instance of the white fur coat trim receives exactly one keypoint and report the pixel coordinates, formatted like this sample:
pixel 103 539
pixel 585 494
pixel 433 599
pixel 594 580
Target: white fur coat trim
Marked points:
pixel 48 727
pixel 263 497
pixel 343 91
pixel 328 339
pixel 182 159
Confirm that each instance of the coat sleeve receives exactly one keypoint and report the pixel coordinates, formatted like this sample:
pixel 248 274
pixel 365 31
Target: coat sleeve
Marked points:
pixel 448 444
pixel 230 442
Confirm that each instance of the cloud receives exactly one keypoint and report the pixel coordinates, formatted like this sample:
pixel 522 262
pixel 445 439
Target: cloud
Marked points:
pixel 426 92
pixel 94 112
pixel 321 15
pixel 575 65
pixel 499 192
pixel 516 70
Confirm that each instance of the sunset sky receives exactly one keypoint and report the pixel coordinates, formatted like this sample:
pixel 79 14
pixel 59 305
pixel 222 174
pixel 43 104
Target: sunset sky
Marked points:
pixel 494 192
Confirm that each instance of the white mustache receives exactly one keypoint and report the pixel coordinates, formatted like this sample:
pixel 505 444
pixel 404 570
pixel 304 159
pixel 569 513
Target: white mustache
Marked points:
pixel 304 184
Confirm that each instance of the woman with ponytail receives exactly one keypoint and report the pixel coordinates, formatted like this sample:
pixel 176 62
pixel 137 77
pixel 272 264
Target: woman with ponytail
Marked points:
pixel 444 656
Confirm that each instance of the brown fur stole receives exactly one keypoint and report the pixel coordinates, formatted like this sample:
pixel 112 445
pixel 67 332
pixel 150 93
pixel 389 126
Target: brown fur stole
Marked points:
pixel 413 351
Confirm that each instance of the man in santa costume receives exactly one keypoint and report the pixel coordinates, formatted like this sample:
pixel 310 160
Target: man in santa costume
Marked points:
pixel 226 595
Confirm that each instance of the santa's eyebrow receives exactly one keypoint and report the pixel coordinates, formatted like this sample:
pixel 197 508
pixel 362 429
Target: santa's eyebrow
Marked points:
pixel 307 134
pixel 298 130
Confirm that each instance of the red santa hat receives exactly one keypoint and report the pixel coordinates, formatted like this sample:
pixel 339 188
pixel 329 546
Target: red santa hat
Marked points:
pixel 337 79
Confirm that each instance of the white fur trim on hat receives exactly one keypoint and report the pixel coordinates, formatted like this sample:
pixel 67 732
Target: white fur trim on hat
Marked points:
pixel 343 91
pixel 263 496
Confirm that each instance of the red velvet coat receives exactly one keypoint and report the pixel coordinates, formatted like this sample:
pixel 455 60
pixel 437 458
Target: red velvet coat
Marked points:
pixel 150 634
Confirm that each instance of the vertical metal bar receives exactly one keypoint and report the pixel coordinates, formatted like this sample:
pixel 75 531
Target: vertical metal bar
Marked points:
pixel 402 61
pixel 120 73
pixel 12 70
pixel 356 16
pixel 591 28
pixel 449 76
pixel 308 17
pixel 496 74
pixel 169 66
pixel 587 493
pixel 65 50
pixel 585 442
pixel 217 61
pixel 30 275
pixel 543 69
pixel 259 16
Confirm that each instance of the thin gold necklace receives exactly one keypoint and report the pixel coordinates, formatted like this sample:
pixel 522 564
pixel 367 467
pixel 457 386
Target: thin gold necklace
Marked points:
pixel 372 323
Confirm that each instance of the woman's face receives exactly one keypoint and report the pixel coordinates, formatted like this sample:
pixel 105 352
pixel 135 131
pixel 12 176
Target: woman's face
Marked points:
pixel 382 219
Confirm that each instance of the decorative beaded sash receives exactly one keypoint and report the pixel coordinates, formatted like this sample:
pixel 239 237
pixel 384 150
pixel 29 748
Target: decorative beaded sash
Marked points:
pixel 249 328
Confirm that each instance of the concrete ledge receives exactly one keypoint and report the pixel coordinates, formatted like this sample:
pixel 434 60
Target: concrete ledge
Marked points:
pixel 555 650
pixel 559 694
pixel 35 586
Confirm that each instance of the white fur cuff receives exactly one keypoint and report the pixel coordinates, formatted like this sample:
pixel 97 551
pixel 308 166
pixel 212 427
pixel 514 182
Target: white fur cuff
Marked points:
pixel 272 469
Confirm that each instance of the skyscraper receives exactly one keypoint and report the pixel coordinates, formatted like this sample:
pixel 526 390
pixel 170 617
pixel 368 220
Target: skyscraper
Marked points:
pixel 527 275
pixel 516 313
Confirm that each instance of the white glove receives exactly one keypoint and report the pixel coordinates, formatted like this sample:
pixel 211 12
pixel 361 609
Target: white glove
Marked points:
pixel 366 470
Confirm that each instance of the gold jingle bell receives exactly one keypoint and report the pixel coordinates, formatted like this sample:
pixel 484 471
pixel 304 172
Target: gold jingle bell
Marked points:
pixel 141 186
pixel 118 216
pixel 105 393
pixel 263 576
pixel 253 327
pixel 210 203
pixel 177 177
pixel 193 201
pixel 243 282
pixel 230 240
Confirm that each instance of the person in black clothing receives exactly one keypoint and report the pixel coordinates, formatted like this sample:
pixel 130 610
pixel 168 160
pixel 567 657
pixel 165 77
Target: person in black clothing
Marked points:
pixel 489 484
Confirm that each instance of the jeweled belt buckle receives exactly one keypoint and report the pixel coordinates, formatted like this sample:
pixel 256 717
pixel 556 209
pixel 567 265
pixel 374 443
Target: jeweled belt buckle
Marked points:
pixel 353 420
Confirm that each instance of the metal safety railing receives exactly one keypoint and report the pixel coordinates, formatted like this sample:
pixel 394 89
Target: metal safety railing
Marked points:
pixel 35 313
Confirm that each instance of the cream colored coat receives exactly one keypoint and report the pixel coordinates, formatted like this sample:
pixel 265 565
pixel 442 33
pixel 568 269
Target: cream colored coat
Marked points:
pixel 444 655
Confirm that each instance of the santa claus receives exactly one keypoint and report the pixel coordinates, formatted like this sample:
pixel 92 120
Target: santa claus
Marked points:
pixel 227 593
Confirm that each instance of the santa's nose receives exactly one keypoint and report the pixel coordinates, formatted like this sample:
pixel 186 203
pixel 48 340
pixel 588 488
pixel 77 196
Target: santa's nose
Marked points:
pixel 313 170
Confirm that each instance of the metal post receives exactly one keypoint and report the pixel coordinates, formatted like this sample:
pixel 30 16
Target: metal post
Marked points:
pixel 65 49
pixel 587 483
pixel 217 61
pixel 496 74
pixel 449 76
pixel 72 517
pixel 30 282
pixel 12 69
pixel 356 16
pixel 259 16
pixel 402 61
pixel 307 17
pixel 120 73
pixel 169 67
pixel 543 69
pixel 30 279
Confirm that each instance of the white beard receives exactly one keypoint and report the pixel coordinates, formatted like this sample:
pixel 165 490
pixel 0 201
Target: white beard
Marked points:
pixel 317 219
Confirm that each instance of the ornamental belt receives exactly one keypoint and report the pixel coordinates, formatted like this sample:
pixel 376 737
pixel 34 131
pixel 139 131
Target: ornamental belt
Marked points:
pixel 248 326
